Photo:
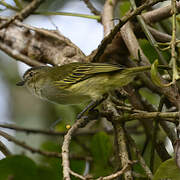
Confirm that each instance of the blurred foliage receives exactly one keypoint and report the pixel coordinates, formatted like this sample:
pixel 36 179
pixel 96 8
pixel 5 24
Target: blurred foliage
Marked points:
pixel 101 150
pixel 124 7
pixel 151 97
pixel 23 168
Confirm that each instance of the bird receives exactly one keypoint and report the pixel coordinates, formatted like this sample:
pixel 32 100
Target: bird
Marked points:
pixel 77 83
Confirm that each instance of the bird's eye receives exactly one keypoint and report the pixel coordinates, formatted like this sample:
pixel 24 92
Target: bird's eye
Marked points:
pixel 31 74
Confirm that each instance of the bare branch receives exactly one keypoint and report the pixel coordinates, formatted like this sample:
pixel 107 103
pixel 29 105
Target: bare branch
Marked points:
pixel 4 149
pixel 118 173
pixel 76 175
pixel 108 15
pixel 122 154
pixel 45 46
pixel 159 14
pixel 91 7
pixel 34 150
pixel 19 56
pixel 159 36
pixel 24 13
pixel 46 132
pixel 65 147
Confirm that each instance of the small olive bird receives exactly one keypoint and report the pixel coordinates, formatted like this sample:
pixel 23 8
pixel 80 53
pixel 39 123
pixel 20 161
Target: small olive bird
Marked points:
pixel 76 83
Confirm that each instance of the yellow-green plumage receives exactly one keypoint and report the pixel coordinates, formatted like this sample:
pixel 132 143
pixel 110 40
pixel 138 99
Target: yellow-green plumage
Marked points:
pixel 78 82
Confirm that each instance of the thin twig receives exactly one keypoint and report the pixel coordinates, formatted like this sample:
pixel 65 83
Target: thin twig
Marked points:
pixel 4 149
pixel 31 130
pixel 51 13
pixel 34 150
pixel 24 145
pixel 46 132
pixel 118 173
pixel 76 175
pixel 91 7
pixel 24 12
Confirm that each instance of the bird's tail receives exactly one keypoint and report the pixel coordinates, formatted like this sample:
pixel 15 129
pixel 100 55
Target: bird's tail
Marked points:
pixel 140 69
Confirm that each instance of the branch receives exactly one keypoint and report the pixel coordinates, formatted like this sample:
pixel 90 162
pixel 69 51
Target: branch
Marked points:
pixel 121 142
pixel 118 173
pixel 159 14
pixel 135 113
pixel 173 45
pixel 24 13
pixel 46 132
pixel 34 150
pixel 65 147
pixel 135 100
pixel 19 56
pixel 51 13
pixel 122 145
pixel 91 7
pixel 4 149
pixel 76 175
pixel 159 36
pixel 108 15
pixel 108 39
pixel 45 46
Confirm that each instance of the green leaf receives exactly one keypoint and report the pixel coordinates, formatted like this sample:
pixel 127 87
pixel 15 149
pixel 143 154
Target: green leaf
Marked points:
pixel 47 173
pixel 17 168
pixel 150 96
pixel 150 52
pixel 168 170
pixel 54 163
pixel 101 148
pixel 20 167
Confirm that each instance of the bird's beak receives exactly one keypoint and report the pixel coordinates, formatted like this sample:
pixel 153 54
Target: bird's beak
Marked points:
pixel 21 83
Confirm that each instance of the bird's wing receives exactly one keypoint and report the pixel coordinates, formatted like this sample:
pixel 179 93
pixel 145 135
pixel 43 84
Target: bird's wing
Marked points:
pixel 84 71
